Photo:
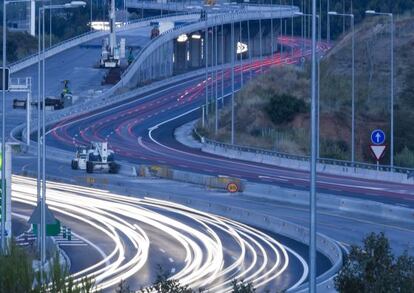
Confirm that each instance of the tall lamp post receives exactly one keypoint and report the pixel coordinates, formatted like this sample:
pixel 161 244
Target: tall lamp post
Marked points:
pixel 3 140
pixel 312 199
pixel 3 137
pixel 390 15
pixel 318 82
pixel 353 80
pixel 73 4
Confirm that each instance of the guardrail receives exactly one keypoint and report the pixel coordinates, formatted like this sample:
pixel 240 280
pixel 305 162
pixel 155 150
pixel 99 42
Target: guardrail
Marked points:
pixel 326 161
pixel 70 43
pixel 217 8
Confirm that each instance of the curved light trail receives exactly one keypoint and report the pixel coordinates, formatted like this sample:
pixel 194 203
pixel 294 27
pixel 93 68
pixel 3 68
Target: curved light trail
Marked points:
pixel 215 249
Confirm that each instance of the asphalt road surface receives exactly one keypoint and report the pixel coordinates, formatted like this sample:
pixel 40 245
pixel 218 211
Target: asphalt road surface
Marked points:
pixel 123 237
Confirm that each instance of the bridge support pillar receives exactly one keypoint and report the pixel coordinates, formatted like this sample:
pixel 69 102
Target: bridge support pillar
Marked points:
pixel 180 56
pixel 195 50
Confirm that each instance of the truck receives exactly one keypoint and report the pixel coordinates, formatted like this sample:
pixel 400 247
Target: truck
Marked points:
pixel 52 102
pixel 79 162
pixel 96 157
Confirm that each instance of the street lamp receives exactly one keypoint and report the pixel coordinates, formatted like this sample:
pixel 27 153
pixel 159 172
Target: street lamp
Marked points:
pixel 41 59
pixel 318 83
pixel 314 141
pixel 3 140
pixel 334 13
pixel 390 15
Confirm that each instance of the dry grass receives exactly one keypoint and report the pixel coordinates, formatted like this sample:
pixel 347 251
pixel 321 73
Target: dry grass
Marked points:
pixel 372 81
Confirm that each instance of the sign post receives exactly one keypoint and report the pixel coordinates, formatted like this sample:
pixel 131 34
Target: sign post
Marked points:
pixel 378 147
pixel 5 191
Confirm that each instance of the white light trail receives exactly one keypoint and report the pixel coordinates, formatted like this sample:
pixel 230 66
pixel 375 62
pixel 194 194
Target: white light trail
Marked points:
pixel 205 241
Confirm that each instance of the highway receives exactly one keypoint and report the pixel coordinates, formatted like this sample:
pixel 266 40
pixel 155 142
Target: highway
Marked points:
pixel 135 130
pixel 125 237
pixel 127 234
pixel 120 238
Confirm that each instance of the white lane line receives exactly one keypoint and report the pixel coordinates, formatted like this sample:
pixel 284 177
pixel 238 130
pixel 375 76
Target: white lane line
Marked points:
pixel 162 250
pixel 171 260
pixel 272 178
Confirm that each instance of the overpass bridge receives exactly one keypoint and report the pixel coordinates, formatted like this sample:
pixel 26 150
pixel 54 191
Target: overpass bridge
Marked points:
pixel 188 46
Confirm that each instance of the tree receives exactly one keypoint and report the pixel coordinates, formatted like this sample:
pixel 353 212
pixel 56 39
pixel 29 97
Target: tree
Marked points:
pixel 282 108
pixel 242 287
pixel 373 268
pixel 165 285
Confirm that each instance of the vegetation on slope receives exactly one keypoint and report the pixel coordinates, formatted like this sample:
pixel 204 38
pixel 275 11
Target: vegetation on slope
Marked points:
pixel 255 127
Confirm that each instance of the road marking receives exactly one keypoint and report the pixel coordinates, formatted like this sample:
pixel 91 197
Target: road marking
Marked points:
pixel 272 178
pixel 170 259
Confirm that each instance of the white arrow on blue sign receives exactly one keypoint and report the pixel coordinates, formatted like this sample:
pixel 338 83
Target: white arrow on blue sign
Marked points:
pixel 378 136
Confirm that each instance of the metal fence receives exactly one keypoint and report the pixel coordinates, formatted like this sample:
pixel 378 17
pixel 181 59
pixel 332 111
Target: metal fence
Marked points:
pixel 325 161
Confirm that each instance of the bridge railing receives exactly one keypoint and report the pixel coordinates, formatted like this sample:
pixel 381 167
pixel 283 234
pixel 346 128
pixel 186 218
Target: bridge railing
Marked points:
pixel 235 15
pixel 324 161
pixel 88 36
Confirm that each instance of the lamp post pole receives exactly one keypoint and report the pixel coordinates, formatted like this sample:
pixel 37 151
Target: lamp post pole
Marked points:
pixel 232 79
pixel 3 137
pixel 73 4
pixel 353 81
pixel 312 240
pixel 328 22
pixel 206 60
pixel 391 16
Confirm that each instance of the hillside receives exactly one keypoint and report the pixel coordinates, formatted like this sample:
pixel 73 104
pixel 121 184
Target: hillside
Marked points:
pixel 255 127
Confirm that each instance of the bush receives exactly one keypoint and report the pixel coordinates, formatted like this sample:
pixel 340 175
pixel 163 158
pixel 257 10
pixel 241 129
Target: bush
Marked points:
pixel 242 287
pixel 283 108
pixel 405 158
pixel 17 275
pixel 373 268
pixel 334 149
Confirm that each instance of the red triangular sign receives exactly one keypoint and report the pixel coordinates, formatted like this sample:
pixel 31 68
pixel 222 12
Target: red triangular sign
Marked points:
pixel 378 151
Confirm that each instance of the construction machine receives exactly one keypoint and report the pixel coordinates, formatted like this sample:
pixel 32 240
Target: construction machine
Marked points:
pixel 97 157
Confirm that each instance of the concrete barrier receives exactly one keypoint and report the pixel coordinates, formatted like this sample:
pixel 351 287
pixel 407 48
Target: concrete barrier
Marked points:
pixel 218 182
pixel 339 203
pixel 304 164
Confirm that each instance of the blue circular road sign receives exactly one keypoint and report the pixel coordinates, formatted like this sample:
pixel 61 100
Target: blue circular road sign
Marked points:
pixel 377 136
